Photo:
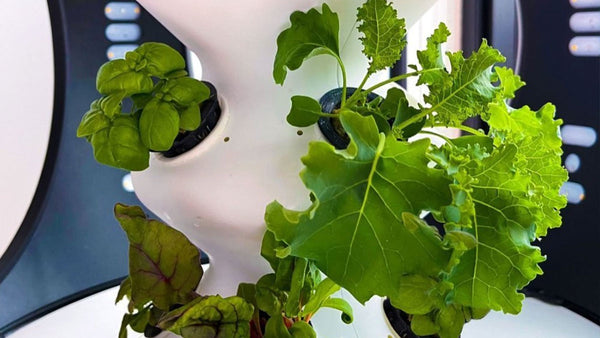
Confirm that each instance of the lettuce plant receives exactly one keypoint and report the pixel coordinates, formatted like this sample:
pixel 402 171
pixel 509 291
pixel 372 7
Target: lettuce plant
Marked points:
pixel 164 102
pixel 494 192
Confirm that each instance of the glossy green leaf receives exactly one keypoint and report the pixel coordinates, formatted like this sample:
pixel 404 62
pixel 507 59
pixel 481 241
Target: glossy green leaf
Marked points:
pixel 359 199
pixel 302 330
pixel 423 325
pixel 184 91
pixel 92 122
pixel 451 321
pixel 312 33
pixel 159 125
pixel 341 305
pixel 383 32
pixel 276 328
pixel 293 304
pixel 189 118
pixel 124 290
pixel 120 145
pixel 117 77
pixel 396 106
pixel 322 292
pixel 305 111
pixel 415 295
pixel 212 317
pixel 269 298
pixel 164 266
pixel 157 59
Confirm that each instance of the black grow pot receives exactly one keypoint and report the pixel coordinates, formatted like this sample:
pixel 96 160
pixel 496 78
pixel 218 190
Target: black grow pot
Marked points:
pixel 331 127
pixel 399 321
pixel 210 111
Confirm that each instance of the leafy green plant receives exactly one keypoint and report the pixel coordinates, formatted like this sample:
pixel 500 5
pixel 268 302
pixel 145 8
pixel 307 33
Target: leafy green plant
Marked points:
pixel 164 272
pixel 290 296
pixel 494 192
pixel 164 102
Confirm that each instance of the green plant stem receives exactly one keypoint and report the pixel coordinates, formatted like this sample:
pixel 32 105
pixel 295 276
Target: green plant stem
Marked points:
pixel 464 128
pixel 353 99
pixel 443 137
pixel 344 79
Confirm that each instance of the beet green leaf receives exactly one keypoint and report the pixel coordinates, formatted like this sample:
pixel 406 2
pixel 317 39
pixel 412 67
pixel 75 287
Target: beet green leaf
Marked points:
pixel 164 267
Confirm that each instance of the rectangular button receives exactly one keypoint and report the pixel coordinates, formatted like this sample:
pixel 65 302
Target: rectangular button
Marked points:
pixel 119 51
pixel 574 191
pixel 581 136
pixel 585 22
pixel 122 11
pixel 585 46
pixel 121 32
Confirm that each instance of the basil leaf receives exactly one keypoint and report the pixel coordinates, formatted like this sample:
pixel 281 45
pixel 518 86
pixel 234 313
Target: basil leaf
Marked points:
pixel 305 111
pixel 164 266
pixel 92 122
pixel 159 59
pixel 360 197
pixel 117 77
pixel 120 145
pixel 159 125
pixel 190 119
pixel 312 33
pixel 384 33
pixel 184 91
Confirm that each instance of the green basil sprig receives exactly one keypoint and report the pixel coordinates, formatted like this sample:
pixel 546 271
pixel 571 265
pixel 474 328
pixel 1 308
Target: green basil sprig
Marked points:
pixel 165 101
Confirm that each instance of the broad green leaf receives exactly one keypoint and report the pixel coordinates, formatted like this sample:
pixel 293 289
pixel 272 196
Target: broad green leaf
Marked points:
pixel 276 328
pixel 465 90
pixel 117 77
pixel 415 295
pixel 164 266
pixel 312 33
pixel 212 317
pixel 359 197
pixel 323 291
pixel 451 320
pixel 341 305
pixel 189 118
pixel 384 33
pixel 503 224
pixel 157 59
pixel 120 145
pixel 92 122
pixel 269 298
pixel 536 135
pixel 423 325
pixel 305 111
pixel 159 125
pixel 302 329
pixel 396 106
pixel 184 91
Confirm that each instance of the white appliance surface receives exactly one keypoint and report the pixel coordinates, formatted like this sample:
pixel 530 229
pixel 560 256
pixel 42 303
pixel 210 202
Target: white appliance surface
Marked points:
pixel 27 92
pixel 97 317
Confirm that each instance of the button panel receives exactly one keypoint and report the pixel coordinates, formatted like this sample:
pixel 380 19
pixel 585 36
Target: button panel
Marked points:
pixel 122 11
pixel 581 136
pixel 119 51
pixel 574 191
pixel 585 22
pixel 585 3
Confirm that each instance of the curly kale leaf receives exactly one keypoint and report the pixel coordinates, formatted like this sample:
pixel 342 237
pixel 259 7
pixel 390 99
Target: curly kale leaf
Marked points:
pixel 384 33
pixel 360 198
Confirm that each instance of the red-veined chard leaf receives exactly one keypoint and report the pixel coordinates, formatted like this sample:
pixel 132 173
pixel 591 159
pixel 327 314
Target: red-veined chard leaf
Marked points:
pixel 164 267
